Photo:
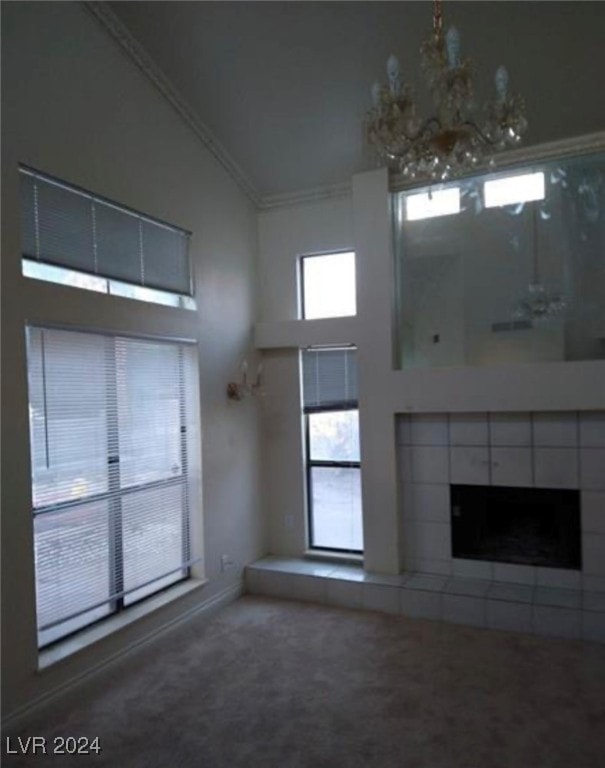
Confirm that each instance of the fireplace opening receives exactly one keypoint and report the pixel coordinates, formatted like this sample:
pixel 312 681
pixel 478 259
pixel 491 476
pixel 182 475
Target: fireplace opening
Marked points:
pixel 529 526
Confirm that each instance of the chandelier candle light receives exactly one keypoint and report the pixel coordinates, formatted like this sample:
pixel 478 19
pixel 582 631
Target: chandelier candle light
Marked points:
pixel 453 141
pixel 537 303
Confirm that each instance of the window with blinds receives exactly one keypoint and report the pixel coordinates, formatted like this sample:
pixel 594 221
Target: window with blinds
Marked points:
pixel 65 227
pixel 329 390
pixel 114 433
pixel 329 378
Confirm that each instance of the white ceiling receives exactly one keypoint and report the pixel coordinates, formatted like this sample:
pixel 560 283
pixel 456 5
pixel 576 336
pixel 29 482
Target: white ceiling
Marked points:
pixel 285 85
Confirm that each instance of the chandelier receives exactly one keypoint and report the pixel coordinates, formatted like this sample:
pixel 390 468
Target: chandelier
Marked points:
pixel 454 140
pixel 537 304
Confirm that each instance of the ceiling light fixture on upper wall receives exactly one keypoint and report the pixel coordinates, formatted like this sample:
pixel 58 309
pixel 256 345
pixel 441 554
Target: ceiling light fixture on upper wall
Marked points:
pixel 454 140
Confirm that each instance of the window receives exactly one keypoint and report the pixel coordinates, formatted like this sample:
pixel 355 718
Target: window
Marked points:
pixel 328 285
pixel 77 238
pixel 114 452
pixel 512 190
pixel 332 449
pixel 438 202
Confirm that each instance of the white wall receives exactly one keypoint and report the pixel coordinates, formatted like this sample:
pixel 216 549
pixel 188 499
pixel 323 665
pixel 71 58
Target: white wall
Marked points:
pixel 75 106
pixel 284 235
pixel 384 391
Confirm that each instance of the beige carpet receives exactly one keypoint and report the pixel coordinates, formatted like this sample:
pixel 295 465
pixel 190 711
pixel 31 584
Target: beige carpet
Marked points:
pixel 288 685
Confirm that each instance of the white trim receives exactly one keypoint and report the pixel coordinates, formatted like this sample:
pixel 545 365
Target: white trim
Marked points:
pixel 19 717
pixel 118 30
pixel 316 194
pixel 122 35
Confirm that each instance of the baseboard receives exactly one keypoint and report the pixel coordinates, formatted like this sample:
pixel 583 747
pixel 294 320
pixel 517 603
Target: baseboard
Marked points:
pixel 22 714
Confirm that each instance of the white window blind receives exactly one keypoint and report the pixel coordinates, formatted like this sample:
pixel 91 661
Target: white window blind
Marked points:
pixel 69 227
pixel 329 378
pixel 114 430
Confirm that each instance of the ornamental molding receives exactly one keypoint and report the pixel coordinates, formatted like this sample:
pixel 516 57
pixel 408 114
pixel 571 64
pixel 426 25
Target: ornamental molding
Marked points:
pixel 536 153
pixel 122 35
pixel 314 195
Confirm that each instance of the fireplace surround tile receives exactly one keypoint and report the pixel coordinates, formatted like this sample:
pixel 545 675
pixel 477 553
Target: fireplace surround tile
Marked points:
pixel 469 587
pixel 426 582
pixel 593 512
pixel 403 432
pixel 429 502
pixel 592 469
pixel 344 594
pixel 593 583
pixel 593 601
pixel 516 574
pixel 540 450
pixel 512 466
pixel 510 429
pixel 558 598
pixel 429 565
pixel 461 609
pixel 556 467
pixel 556 622
pixel 404 466
pixel 429 540
pixel 558 577
pixel 381 597
pixel 504 606
pixel 593 547
pixel 592 429
pixel 430 464
pixel 513 593
pixel 510 616
pixel 556 430
pixel 469 465
pixel 420 604
pixel 429 429
pixel 468 429
pixel 593 626
pixel 472 569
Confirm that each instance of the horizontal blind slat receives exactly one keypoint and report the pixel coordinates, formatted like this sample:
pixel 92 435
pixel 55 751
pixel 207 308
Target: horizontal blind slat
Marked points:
pixel 329 377
pixel 71 228
pixel 117 427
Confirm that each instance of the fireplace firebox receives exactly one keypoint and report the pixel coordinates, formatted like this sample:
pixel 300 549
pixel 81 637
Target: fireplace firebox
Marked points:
pixel 529 526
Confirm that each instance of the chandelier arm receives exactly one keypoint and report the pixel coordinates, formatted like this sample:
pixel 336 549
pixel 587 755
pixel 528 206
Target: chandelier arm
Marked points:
pixel 536 275
pixel 423 129
pixel 478 130
pixel 445 143
pixel 437 18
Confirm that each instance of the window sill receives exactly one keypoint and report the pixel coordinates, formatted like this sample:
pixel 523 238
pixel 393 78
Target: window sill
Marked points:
pixel 333 557
pixel 88 637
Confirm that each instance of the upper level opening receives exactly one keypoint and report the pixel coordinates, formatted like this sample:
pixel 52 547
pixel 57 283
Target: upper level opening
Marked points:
pixel 328 285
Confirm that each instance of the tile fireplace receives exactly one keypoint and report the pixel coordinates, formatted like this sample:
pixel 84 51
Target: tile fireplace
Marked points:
pixel 501 464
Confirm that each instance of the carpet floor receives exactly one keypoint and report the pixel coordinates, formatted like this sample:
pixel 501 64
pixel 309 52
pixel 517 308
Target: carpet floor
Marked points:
pixel 291 685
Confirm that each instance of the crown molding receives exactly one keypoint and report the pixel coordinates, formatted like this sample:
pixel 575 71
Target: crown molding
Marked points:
pixel 122 35
pixel 533 153
pixel 316 194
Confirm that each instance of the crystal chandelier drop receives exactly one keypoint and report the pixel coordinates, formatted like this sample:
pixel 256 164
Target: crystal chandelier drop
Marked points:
pixel 454 140
pixel 537 303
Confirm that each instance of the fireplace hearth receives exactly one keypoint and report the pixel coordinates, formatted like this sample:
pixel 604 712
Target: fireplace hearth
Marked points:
pixel 528 526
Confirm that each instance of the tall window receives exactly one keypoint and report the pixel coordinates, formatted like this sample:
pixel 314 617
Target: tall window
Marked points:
pixel 332 449
pixel 328 285
pixel 114 436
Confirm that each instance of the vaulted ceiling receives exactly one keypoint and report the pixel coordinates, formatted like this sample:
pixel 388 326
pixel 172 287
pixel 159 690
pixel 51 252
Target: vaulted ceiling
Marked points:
pixel 284 86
